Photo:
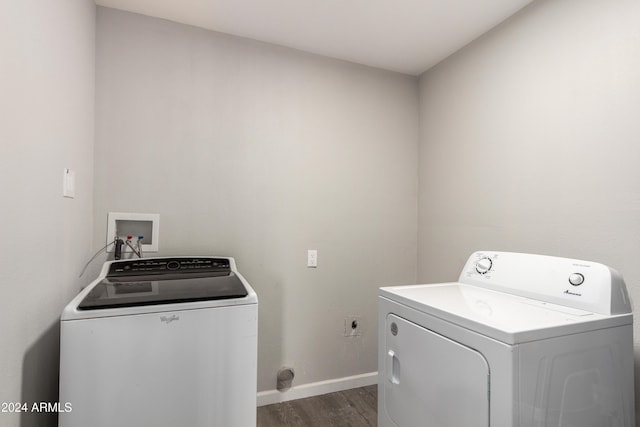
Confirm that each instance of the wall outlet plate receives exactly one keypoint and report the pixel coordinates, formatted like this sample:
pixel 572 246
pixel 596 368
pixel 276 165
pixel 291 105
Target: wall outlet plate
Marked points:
pixel 352 326
pixel 68 183
pixel 312 258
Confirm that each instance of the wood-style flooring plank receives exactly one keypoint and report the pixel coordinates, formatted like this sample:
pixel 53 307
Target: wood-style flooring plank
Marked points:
pixel 349 408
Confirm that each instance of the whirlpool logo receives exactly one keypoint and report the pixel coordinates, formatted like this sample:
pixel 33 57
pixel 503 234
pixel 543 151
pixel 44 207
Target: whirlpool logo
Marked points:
pixel 169 319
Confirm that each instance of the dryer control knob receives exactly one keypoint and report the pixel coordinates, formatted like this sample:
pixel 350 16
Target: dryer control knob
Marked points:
pixel 484 265
pixel 576 279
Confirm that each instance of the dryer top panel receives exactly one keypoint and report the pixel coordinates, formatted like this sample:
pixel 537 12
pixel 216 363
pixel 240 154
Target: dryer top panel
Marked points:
pixel 507 318
pixel 584 285
pixel 516 297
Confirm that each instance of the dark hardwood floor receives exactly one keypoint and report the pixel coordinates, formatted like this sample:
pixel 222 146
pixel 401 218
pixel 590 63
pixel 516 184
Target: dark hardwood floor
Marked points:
pixel 349 408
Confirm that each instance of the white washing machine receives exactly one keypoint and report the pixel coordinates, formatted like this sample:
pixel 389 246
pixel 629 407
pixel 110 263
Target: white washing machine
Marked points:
pixel 158 342
pixel 519 341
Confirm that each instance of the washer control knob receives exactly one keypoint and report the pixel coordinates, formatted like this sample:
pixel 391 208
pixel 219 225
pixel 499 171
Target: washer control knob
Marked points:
pixel 484 265
pixel 576 279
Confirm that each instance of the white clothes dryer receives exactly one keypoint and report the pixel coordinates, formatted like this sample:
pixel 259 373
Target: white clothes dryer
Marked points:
pixel 161 342
pixel 519 341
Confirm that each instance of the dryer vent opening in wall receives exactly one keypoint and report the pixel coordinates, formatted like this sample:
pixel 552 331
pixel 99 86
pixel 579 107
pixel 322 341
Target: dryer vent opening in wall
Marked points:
pixel 285 379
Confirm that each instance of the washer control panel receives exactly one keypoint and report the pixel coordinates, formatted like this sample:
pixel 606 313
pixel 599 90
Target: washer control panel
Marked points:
pixel 146 266
pixel 584 285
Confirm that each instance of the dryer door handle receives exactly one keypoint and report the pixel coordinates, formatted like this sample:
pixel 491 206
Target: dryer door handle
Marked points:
pixel 393 367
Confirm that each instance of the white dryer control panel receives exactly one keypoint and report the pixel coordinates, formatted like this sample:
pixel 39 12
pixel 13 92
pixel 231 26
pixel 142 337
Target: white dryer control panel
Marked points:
pixel 583 285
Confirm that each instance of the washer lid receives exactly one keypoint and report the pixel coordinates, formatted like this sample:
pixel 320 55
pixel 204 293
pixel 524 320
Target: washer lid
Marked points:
pixel 504 317
pixel 134 291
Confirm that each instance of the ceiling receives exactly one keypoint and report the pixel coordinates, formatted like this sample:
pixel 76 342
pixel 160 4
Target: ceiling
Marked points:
pixel 408 36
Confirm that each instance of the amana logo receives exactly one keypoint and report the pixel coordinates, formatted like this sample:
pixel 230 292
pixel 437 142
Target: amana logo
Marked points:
pixel 568 292
pixel 169 319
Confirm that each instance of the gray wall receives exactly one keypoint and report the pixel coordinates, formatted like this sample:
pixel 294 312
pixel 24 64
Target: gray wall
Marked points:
pixel 530 141
pixel 46 124
pixel 261 152
pixel 526 141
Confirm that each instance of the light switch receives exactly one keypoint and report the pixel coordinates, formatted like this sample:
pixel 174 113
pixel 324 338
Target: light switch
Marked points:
pixel 312 258
pixel 69 183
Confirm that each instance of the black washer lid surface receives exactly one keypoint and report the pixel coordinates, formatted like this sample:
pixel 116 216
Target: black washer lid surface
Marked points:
pixel 155 289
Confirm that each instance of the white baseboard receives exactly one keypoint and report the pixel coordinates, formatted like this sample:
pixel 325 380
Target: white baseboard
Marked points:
pixel 269 397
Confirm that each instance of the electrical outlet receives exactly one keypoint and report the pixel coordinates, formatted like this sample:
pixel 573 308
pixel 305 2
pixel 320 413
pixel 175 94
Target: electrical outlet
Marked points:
pixel 352 326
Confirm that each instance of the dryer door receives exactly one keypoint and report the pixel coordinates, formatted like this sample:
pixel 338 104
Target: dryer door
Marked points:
pixel 431 380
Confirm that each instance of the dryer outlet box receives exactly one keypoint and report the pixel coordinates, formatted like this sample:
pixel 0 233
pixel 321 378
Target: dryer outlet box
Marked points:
pixel 352 326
